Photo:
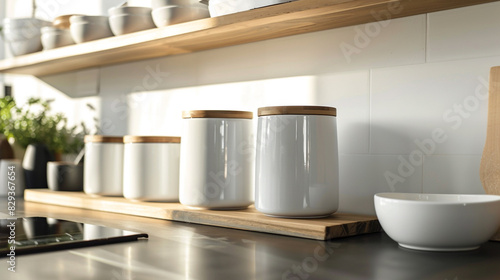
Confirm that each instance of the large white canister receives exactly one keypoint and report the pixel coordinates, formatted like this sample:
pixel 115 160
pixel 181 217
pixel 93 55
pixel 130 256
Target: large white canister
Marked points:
pixel 151 168
pixel 103 165
pixel 216 159
pixel 296 173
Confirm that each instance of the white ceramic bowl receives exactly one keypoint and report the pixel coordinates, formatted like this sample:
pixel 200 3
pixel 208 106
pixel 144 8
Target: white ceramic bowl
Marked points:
pixel 53 37
pixel 123 24
pixel 89 28
pixel 62 21
pixel 438 222
pixel 23 35
pixel 169 15
pixel 129 10
pixel 225 7
pixel 162 3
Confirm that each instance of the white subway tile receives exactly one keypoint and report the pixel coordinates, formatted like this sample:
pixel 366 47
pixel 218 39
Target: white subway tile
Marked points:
pixel 464 33
pixel 452 174
pixel 167 105
pixel 410 103
pixel 400 42
pixel 362 176
pixel 349 92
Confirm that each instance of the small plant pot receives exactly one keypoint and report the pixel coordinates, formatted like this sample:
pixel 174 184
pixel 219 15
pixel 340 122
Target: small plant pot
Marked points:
pixel 65 176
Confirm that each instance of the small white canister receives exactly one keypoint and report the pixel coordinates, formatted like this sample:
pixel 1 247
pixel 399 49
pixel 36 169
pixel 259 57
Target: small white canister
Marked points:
pixel 296 172
pixel 103 165
pixel 151 168
pixel 216 169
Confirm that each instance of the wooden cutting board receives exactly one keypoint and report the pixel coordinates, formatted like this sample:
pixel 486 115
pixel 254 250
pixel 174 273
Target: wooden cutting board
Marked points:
pixel 489 170
pixel 335 226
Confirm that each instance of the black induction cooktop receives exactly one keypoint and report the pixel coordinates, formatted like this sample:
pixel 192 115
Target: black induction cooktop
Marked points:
pixel 40 234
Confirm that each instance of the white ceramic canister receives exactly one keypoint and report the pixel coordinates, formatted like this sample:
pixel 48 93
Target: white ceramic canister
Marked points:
pixel 151 168
pixel 216 169
pixel 296 172
pixel 103 165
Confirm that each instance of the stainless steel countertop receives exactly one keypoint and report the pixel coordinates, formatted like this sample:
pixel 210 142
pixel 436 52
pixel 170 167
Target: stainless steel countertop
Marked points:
pixel 177 250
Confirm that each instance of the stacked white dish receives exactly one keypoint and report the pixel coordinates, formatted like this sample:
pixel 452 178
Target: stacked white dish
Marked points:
pixel 23 35
pixel 53 37
pixel 89 28
pixel 225 7
pixel 168 12
pixel 127 19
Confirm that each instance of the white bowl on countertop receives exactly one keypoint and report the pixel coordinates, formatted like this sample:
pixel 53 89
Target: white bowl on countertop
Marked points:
pixel 123 20
pixel 169 15
pixel 438 222
pixel 53 37
pixel 89 28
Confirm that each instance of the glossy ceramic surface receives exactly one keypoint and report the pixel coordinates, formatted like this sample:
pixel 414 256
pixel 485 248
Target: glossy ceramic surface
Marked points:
pixel 54 38
pixel 23 35
pixel 64 176
pixel 124 24
pixel 129 10
pixel 162 3
pixel 89 28
pixel 438 222
pixel 35 166
pixel 296 171
pixel 169 15
pixel 216 163
pixel 151 171
pixel 103 169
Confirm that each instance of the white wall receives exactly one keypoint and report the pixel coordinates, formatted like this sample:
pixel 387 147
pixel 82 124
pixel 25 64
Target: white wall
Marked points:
pixel 396 84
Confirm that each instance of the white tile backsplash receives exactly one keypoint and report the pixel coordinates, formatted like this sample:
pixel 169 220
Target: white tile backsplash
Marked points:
pixel 408 103
pixel 362 176
pixel 464 33
pixel 452 174
pixel 349 92
pixel 408 78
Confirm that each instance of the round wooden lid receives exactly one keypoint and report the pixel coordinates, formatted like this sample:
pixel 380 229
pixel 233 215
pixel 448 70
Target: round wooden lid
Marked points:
pixel 103 139
pixel 217 114
pixel 151 139
pixel 297 110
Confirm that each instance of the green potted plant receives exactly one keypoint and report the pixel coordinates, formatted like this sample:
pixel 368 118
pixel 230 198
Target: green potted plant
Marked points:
pixel 34 123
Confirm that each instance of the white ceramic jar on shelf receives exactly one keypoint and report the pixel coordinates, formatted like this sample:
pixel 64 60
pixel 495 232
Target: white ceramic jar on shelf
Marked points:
pixel 296 172
pixel 103 165
pixel 216 160
pixel 151 168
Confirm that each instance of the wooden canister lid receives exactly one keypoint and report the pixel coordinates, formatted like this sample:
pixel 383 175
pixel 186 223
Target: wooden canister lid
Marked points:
pixel 103 139
pixel 297 110
pixel 217 114
pixel 151 139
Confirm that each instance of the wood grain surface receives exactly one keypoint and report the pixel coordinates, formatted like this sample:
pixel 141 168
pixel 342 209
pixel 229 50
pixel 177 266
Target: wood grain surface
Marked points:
pixel 287 19
pixel 335 226
pixel 489 170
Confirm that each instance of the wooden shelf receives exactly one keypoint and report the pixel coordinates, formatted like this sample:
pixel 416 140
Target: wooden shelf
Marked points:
pixel 292 18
